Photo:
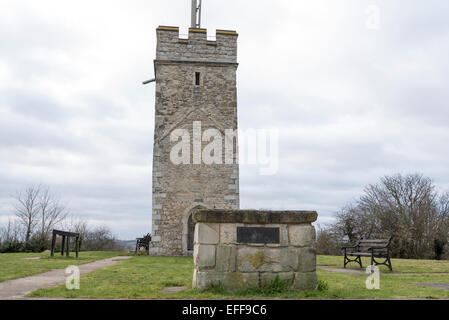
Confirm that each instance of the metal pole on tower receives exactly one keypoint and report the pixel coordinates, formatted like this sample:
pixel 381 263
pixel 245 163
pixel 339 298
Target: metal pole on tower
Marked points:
pixel 199 14
pixel 193 14
pixel 196 14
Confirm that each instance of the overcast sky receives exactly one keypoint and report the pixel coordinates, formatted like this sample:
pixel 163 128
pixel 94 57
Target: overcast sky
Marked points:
pixel 353 100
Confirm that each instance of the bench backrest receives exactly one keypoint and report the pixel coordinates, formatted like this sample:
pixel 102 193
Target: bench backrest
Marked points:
pixel 365 244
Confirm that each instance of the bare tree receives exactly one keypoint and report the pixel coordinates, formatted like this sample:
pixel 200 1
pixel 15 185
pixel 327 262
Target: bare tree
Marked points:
pixel 406 207
pixel 101 239
pixel 11 233
pixel 11 237
pixel 38 208
pixel 77 225
pixel 326 242
pixel 51 212
pixel 27 209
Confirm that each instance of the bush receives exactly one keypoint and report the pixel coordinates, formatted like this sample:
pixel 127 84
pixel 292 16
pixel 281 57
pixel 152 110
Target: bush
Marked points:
pixel 11 246
pixel 34 245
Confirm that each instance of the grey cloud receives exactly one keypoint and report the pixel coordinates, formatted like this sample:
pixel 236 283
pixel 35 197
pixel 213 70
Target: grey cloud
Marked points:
pixel 351 104
pixel 34 105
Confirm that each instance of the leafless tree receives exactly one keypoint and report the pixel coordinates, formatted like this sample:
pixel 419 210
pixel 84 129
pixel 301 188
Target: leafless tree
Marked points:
pixel 12 232
pixel 27 209
pixel 38 208
pixel 326 242
pixel 51 212
pixel 77 225
pixel 100 239
pixel 406 207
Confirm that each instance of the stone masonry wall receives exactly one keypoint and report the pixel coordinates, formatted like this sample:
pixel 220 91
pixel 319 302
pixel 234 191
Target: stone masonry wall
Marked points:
pixel 218 257
pixel 196 47
pixel 179 189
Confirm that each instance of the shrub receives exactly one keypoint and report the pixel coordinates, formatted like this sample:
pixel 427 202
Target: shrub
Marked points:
pixel 11 246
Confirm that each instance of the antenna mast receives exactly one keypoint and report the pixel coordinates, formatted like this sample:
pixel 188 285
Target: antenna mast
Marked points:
pixel 196 14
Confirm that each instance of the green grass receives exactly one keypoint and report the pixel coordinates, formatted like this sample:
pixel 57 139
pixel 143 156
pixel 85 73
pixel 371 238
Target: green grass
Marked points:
pixel 143 277
pixel 138 277
pixel 14 265
pixel 399 265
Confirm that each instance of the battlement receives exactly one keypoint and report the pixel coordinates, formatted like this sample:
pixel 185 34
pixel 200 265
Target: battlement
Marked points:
pixel 197 47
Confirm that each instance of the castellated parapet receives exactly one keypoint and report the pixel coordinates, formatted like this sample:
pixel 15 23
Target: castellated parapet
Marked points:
pixel 196 47
pixel 195 83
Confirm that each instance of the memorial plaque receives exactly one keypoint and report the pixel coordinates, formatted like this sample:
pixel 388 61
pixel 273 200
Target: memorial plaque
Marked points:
pixel 257 235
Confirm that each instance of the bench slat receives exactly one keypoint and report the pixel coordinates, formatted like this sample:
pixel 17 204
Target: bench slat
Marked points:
pixel 370 245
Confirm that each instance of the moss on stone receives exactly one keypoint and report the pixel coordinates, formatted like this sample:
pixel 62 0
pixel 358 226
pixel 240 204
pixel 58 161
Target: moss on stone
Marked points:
pixel 257 259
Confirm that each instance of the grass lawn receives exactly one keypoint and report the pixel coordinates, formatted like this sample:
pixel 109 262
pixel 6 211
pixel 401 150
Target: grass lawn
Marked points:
pixel 143 277
pixel 15 265
pixel 399 265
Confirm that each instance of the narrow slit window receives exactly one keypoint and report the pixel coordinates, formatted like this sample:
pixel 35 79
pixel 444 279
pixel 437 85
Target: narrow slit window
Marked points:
pixel 197 78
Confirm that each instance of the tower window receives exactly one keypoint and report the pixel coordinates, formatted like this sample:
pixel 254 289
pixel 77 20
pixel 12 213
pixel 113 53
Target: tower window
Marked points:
pixel 197 78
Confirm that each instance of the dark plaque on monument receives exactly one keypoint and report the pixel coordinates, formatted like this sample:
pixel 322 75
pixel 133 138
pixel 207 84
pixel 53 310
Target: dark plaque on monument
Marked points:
pixel 257 235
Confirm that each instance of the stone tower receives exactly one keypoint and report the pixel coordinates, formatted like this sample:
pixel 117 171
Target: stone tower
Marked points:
pixel 195 91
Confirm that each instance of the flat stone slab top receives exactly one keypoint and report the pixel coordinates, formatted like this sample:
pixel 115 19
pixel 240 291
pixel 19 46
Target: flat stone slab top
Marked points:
pixel 173 289
pixel 255 216
pixel 436 285
pixel 32 258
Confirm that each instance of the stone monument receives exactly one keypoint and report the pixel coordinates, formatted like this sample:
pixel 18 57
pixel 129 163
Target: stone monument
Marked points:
pixel 247 248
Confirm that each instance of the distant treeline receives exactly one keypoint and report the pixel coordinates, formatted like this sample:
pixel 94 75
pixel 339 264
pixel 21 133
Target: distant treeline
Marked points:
pixel 37 212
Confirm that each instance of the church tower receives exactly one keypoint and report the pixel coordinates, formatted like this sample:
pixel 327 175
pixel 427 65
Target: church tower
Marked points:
pixel 196 93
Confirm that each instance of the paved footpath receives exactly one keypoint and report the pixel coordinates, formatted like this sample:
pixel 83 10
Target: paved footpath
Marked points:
pixel 362 271
pixel 18 288
pixel 349 271
pixel 436 285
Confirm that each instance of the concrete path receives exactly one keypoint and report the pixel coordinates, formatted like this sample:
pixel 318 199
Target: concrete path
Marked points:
pixel 349 271
pixel 18 288
pixel 444 286
pixel 362 271
pixel 173 289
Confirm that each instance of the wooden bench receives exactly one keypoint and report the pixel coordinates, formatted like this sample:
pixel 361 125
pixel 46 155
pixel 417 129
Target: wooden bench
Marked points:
pixel 64 235
pixel 379 249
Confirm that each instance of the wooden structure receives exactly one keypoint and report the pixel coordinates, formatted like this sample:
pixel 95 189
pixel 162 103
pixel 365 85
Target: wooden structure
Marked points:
pixel 143 242
pixel 65 241
pixel 369 248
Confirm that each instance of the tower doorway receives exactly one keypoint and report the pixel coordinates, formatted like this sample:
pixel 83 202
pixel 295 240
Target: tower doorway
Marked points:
pixel 191 228
pixel 190 233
